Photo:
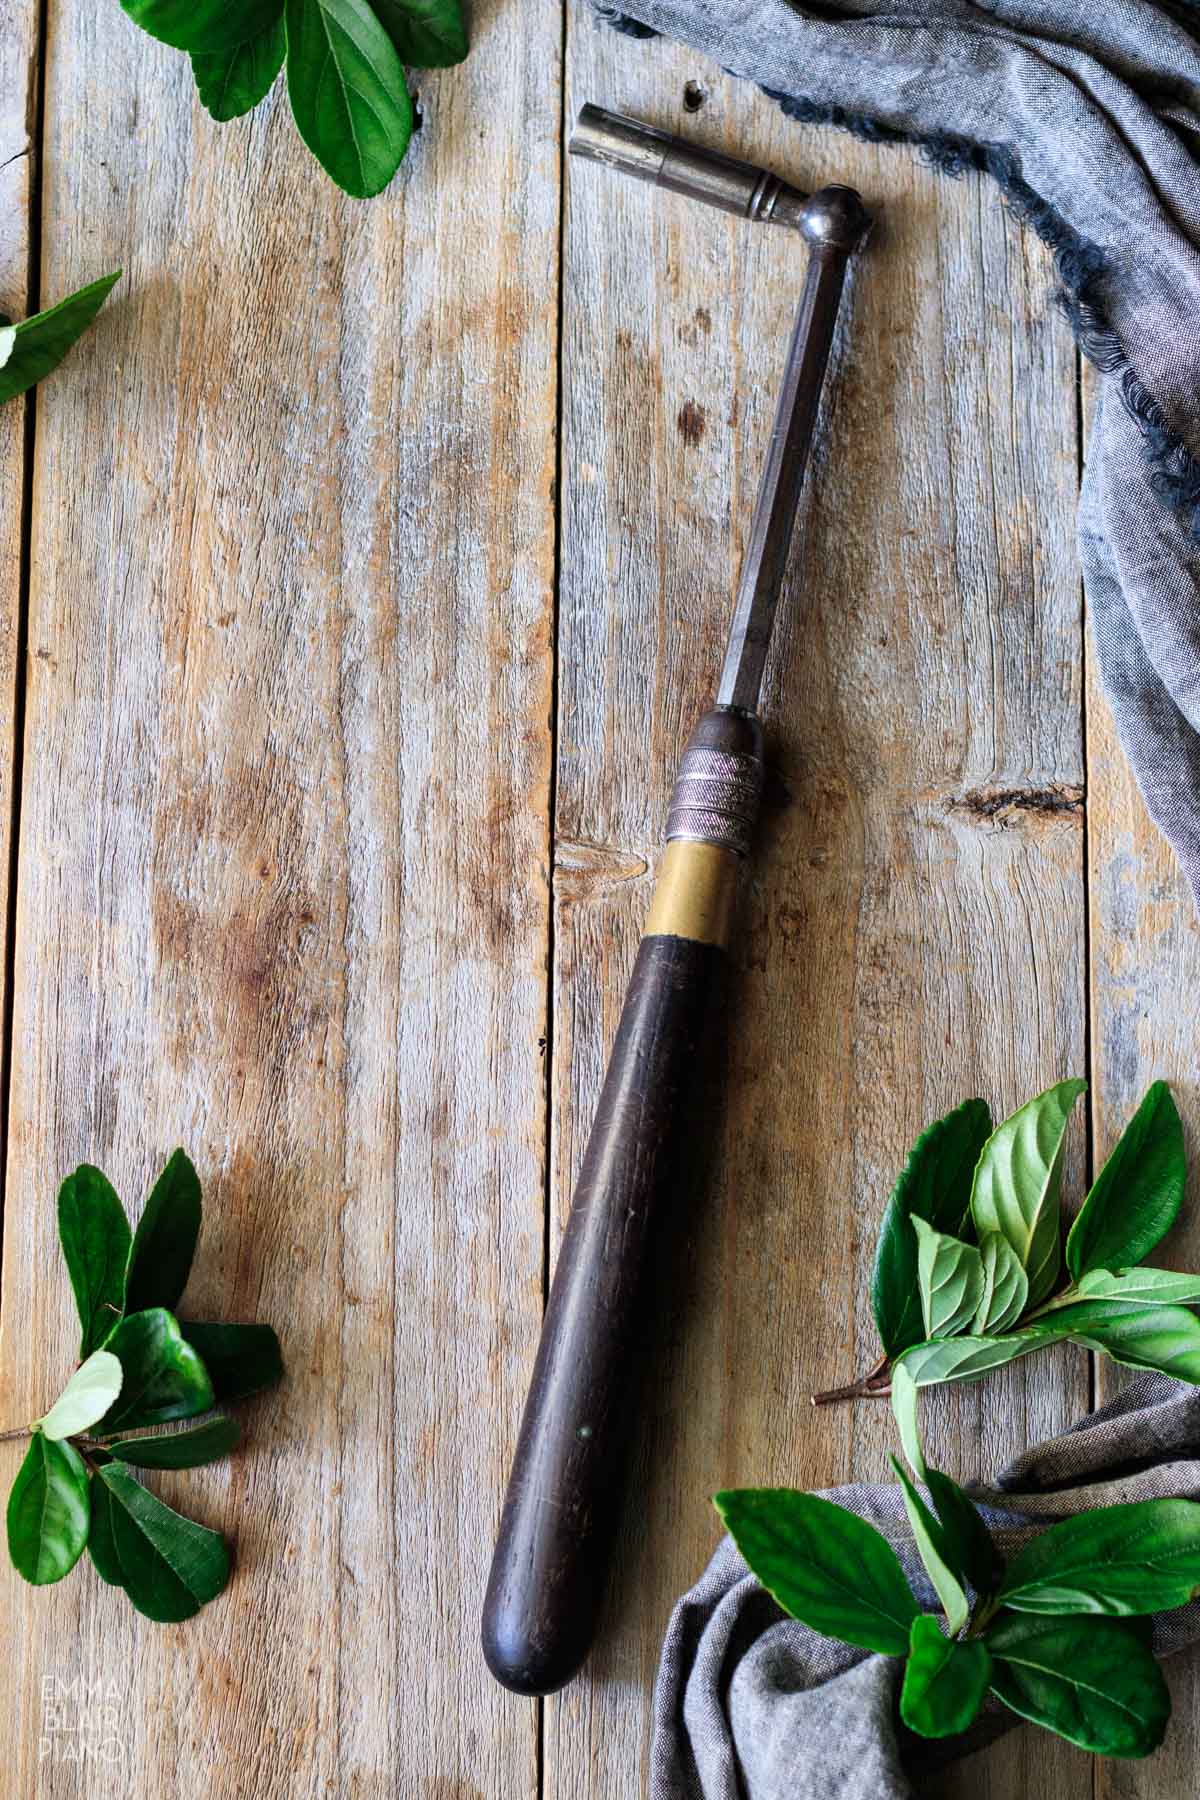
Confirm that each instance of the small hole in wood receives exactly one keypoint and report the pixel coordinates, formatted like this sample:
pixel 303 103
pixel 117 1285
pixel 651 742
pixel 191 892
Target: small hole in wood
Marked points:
pixel 418 115
pixel 694 96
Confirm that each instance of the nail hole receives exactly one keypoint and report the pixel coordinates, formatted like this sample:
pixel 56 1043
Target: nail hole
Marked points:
pixel 694 96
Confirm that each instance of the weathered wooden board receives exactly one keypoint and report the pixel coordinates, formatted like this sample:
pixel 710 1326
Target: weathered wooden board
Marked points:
pixel 1145 974
pixel 911 934
pixel 283 890
pixel 18 104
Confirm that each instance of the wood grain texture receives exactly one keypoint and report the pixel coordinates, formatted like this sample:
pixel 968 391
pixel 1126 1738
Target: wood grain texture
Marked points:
pixel 911 935
pixel 1145 972
pixel 284 875
pixel 18 99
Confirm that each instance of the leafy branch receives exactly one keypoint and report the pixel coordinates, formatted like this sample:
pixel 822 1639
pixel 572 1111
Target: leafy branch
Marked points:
pixel 141 1367
pixel 345 63
pixel 969 1266
pixel 1048 1635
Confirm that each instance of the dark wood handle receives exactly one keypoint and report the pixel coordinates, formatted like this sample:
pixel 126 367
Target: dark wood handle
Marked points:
pixel 551 1555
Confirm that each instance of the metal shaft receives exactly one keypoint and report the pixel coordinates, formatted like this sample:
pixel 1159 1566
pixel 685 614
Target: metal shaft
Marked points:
pixel 670 162
pixel 834 223
pixel 771 528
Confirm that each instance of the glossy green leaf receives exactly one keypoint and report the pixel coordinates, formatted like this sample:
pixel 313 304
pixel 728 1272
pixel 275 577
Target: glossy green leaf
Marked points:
pixel 48 1512
pixel 240 1359
pixel 165 1240
pixel 964 1539
pixel 944 1682
pixel 1135 1198
pixel 1143 1337
pixel 1142 1557
pixel 89 1394
pixel 95 1238
pixel 164 1377
pixel 179 1449
pixel 935 1186
pixel 966 1358
pixel 931 1546
pixel 1005 1286
pixel 233 81
pixel 1019 1179
pixel 427 34
pixel 823 1565
pixel 39 343
pixel 101 1547
pixel 1133 1287
pixel 348 93
pixel 1091 1680
pixel 950 1278
pixel 203 24
pixel 168 1565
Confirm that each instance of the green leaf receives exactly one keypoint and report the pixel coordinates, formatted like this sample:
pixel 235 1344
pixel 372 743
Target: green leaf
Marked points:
pixel 823 1565
pixel 944 1682
pixel 935 1186
pixel 95 1238
pixel 203 24
pixel 1005 1286
pixel 967 1358
pixel 164 1377
pixel 168 1565
pixel 233 81
pixel 950 1276
pixel 48 1512
pixel 89 1393
pixel 101 1547
pixel 1091 1680
pixel 1019 1179
pixel 165 1240
pixel 1133 1287
pixel 961 1538
pixel 1142 1557
pixel 40 343
pixel 964 1540
pixel 427 34
pixel 180 1449
pixel 348 92
pixel 240 1359
pixel 1134 1200
pixel 904 1409
pixel 930 1546
pixel 1142 1337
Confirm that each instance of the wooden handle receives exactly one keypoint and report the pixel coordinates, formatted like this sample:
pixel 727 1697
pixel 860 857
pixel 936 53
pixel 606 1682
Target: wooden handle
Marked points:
pixel 551 1558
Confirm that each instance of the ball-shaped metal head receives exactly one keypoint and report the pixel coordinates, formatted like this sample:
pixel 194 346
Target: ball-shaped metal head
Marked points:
pixel 835 219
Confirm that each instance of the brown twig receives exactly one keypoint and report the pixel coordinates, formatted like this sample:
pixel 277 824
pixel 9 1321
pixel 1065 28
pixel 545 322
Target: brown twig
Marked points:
pixel 874 1385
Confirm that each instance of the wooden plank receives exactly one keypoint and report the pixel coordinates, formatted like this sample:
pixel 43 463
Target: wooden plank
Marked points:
pixel 284 888
pixel 908 940
pixel 18 99
pixel 1145 966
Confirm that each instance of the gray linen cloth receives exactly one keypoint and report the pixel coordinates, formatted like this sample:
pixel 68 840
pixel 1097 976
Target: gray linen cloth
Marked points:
pixel 751 1705
pixel 1087 114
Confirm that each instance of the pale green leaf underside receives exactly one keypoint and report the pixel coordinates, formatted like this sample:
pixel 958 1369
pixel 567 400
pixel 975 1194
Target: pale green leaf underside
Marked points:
pixel 87 1396
pixel 1018 1181
pixel 951 1280
pixel 1134 1287
pixel 966 1358
pixel 1005 1287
